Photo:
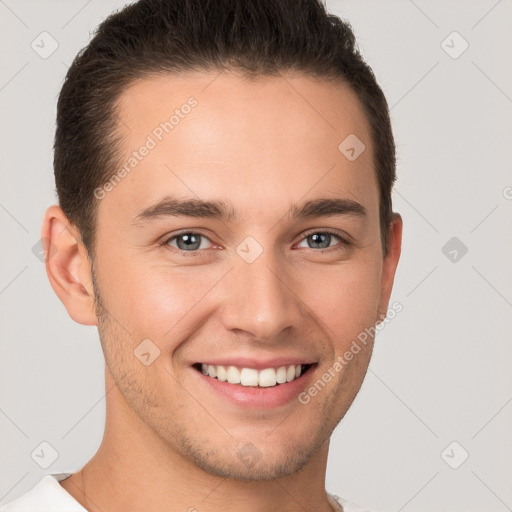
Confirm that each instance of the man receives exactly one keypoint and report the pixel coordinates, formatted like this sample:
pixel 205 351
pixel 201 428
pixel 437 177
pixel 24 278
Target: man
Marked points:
pixel 224 172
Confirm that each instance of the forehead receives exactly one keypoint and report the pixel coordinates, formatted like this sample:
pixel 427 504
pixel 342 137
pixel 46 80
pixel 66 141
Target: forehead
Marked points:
pixel 268 141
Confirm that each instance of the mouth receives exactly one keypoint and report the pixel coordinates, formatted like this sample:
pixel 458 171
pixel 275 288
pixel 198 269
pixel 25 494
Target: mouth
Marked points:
pixel 271 377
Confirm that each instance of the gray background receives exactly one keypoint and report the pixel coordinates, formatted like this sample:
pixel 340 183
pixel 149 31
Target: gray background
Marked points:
pixel 441 368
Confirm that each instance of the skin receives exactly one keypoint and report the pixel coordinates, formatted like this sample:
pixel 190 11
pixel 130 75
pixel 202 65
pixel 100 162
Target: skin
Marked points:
pixel 260 146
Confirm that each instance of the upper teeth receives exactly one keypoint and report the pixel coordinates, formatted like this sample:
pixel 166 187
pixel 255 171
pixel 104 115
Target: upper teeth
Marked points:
pixel 250 376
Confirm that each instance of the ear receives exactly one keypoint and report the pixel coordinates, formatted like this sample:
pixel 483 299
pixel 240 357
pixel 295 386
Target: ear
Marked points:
pixel 394 247
pixel 68 266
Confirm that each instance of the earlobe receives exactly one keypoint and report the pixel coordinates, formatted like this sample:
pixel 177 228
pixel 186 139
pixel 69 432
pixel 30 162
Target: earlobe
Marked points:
pixel 68 266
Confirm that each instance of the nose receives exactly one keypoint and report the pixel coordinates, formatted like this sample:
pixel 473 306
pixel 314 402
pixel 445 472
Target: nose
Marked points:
pixel 260 300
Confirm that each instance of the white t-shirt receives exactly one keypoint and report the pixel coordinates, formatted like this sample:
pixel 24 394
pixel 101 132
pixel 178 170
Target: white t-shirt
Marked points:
pixel 49 496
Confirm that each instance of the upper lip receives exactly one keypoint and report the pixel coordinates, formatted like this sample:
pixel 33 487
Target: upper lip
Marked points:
pixel 258 364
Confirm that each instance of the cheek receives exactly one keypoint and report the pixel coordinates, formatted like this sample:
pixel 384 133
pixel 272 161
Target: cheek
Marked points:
pixel 164 300
pixel 345 297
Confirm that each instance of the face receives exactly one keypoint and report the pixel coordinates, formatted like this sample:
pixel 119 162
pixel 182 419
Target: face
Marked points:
pixel 244 240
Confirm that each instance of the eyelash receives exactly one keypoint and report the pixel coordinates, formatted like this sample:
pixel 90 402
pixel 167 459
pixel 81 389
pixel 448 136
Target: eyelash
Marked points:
pixel 343 243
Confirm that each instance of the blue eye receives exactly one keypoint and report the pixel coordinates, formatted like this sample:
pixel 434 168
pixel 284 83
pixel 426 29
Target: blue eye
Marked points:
pixel 192 242
pixel 187 241
pixel 322 240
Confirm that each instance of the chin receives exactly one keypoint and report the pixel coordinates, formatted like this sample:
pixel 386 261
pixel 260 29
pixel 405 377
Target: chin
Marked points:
pixel 267 456
pixel 262 467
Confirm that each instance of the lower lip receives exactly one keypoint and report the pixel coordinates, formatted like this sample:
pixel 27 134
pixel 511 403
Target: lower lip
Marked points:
pixel 256 397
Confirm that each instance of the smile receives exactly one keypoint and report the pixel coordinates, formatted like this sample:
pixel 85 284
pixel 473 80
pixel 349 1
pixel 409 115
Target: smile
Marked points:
pixel 251 377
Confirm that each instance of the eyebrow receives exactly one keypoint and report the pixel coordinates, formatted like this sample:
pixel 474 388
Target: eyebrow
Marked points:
pixel 174 207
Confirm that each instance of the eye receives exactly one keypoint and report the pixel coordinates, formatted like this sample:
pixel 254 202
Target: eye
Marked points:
pixel 192 242
pixel 188 241
pixel 322 240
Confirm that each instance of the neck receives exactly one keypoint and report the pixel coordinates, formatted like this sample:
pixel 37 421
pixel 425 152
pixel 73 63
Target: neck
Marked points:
pixel 134 470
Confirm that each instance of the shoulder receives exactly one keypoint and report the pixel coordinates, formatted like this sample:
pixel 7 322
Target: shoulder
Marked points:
pixel 46 496
pixel 347 506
